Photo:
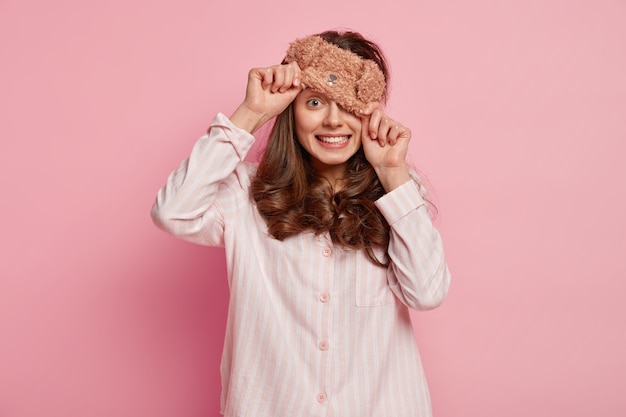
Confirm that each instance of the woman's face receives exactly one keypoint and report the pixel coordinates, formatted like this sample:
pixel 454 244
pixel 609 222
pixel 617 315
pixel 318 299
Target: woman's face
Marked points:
pixel 329 134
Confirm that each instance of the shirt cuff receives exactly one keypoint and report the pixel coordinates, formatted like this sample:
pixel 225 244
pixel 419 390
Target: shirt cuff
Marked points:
pixel 401 201
pixel 241 140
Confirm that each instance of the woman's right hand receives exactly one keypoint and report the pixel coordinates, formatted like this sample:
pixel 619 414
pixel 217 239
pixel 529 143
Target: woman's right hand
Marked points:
pixel 270 90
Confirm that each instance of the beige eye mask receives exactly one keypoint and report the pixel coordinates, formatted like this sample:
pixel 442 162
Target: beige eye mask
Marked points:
pixel 341 75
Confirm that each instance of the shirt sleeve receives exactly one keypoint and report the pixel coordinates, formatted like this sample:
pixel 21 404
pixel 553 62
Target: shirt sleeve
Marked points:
pixel 417 273
pixel 187 206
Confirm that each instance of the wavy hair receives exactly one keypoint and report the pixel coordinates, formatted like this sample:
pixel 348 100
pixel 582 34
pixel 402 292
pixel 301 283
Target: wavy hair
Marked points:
pixel 293 199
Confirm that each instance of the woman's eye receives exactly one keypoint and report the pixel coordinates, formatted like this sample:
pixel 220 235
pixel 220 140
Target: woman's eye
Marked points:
pixel 314 102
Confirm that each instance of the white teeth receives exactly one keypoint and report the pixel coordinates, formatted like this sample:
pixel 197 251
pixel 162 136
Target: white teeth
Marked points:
pixel 333 139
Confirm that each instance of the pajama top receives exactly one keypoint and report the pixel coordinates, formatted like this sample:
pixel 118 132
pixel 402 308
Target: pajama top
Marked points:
pixel 314 329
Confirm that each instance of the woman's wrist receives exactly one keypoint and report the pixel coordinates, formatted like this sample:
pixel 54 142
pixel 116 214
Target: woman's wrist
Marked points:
pixel 247 119
pixel 392 177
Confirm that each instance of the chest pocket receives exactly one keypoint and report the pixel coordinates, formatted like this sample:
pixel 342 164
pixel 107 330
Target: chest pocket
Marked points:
pixel 372 287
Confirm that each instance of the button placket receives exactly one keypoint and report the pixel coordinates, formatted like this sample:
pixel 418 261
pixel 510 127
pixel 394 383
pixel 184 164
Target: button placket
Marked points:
pixel 326 273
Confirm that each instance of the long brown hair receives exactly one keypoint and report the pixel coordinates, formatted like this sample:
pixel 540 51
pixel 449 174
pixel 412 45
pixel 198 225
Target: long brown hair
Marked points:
pixel 293 199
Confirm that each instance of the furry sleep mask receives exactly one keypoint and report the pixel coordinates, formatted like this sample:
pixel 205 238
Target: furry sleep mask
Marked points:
pixel 341 75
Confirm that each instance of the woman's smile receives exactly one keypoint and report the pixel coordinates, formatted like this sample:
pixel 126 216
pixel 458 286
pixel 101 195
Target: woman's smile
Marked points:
pixel 333 141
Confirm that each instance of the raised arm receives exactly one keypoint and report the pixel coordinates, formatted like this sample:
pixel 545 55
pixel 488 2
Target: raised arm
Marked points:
pixel 417 273
pixel 187 205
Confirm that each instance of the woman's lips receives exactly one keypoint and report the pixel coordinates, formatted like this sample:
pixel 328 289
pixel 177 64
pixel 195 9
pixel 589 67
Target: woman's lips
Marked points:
pixel 334 140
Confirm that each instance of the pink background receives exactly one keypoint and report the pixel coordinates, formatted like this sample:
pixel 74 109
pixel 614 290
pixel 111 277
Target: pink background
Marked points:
pixel 519 117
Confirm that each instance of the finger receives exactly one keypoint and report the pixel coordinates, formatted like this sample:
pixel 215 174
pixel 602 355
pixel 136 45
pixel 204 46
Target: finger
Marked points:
pixel 369 144
pixel 279 78
pixel 297 74
pixel 289 80
pixel 369 108
pixel 374 124
pixel 384 129
pixel 267 77
pixel 365 133
pixel 394 133
pixel 403 135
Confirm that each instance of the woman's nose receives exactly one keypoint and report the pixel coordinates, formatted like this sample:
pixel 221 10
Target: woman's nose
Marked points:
pixel 334 116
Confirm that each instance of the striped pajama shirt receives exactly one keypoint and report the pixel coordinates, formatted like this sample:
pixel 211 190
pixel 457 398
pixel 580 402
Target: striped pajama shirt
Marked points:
pixel 313 328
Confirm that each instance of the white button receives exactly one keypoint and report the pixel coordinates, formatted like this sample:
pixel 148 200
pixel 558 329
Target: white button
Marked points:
pixel 321 397
pixel 327 251
pixel 323 345
pixel 324 297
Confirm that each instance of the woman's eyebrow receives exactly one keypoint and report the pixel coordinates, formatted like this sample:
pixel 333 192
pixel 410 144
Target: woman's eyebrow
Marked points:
pixel 312 93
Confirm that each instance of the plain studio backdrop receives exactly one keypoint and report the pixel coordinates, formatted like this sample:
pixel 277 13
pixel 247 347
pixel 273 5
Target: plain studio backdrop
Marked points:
pixel 518 113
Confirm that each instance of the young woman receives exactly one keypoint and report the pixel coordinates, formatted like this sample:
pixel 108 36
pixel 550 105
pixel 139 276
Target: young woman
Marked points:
pixel 328 239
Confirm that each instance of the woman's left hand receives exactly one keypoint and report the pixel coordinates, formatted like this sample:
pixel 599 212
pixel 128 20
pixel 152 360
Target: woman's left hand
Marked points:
pixel 385 143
